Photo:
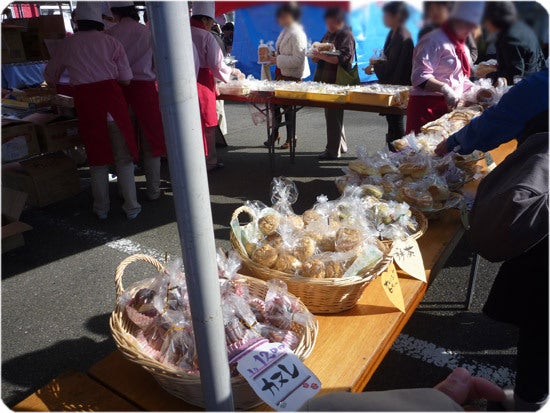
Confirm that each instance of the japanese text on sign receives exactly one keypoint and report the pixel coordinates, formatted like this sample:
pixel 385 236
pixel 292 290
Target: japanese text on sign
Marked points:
pixel 277 376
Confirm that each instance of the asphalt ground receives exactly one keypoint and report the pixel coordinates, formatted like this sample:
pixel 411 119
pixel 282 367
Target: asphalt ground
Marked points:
pixel 58 290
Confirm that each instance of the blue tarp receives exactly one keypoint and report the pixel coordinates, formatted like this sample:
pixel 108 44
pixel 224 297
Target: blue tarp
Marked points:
pixel 17 75
pixel 259 22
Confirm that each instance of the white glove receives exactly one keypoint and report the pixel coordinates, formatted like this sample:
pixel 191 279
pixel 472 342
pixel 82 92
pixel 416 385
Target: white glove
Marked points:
pixel 451 97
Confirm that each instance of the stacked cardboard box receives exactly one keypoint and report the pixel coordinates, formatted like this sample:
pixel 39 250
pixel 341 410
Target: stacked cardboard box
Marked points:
pixel 33 33
pixel 19 140
pixel 13 203
pixel 55 132
pixel 12 45
pixel 46 179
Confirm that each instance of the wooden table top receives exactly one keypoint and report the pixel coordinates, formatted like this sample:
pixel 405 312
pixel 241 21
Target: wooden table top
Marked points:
pixel 365 333
pixel 74 392
pixel 258 98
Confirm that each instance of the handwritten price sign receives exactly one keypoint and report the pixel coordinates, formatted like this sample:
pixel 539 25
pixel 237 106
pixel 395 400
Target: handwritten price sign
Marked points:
pixel 392 287
pixel 277 376
pixel 407 255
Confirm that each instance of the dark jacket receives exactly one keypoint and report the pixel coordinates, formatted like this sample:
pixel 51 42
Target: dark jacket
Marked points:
pixel 344 42
pixel 518 53
pixel 470 41
pixel 510 212
pixel 398 48
pixel 509 222
pixel 521 112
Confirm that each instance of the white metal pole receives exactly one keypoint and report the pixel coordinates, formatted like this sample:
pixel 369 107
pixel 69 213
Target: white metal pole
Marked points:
pixel 173 50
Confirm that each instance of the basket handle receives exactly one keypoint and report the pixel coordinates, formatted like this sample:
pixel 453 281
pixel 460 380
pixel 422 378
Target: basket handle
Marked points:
pixel 131 259
pixel 243 209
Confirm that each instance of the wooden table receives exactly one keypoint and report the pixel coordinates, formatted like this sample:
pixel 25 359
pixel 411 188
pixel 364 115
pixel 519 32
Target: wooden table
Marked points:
pixel 265 102
pixel 350 346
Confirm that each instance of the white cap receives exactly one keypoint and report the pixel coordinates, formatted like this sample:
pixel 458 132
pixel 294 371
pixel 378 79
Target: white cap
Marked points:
pixel 89 10
pixel 204 8
pixel 114 4
pixel 468 11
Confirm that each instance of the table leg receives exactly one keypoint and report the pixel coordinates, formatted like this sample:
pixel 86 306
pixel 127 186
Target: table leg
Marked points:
pixel 270 130
pixel 472 280
pixel 292 133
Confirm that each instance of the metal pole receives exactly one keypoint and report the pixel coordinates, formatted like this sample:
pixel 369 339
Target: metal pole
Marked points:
pixel 173 50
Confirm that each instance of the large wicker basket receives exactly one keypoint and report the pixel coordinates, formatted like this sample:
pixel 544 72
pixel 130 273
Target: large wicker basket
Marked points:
pixel 320 295
pixel 186 386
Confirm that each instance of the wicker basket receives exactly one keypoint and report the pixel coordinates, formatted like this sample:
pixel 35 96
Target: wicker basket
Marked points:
pixel 320 295
pixel 180 384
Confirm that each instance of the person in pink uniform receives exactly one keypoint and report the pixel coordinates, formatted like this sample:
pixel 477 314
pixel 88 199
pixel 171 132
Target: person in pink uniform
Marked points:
pixel 441 66
pixel 211 66
pixel 141 94
pixel 97 65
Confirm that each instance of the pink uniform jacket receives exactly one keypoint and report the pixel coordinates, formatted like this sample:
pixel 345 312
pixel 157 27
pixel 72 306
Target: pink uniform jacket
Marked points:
pixel 435 57
pixel 106 60
pixel 136 39
pixel 95 62
pixel 141 94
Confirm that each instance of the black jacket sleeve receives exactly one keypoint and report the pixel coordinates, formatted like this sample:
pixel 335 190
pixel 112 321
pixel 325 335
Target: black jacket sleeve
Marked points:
pixel 396 70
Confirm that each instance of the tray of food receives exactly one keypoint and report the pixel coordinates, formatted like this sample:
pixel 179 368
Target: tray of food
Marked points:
pixel 379 95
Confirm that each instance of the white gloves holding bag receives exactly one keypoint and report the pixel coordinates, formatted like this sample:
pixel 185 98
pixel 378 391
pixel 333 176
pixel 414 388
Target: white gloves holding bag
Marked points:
pixel 451 97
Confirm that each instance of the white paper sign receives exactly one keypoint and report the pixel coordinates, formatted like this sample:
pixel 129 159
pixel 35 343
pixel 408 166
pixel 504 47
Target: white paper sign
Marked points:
pixel 407 255
pixel 277 375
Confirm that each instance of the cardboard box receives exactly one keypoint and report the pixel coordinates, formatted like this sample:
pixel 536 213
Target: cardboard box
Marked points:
pixel 13 203
pixel 55 132
pixel 46 179
pixel 35 31
pixel 13 50
pixel 52 25
pixel 19 140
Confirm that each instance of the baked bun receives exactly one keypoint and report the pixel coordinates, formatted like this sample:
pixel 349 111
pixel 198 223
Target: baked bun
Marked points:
pixel 269 224
pixel 305 248
pixel 334 270
pixel 266 255
pixel 287 263
pixel 313 269
pixel 347 239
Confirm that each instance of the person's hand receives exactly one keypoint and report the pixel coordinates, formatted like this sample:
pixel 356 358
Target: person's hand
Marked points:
pixel 461 387
pixel 273 60
pixel 369 70
pixel 238 74
pixel 317 55
pixel 441 149
pixel 451 97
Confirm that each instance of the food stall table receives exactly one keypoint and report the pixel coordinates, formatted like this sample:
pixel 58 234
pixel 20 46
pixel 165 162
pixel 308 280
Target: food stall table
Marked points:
pixel 365 333
pixel 349 348
pixel 74 392
pixel 265 102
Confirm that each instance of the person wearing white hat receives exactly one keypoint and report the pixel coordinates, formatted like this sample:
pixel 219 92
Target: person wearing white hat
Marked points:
pixel 97 65
pixel 211 67
pixel 141 94
pixel 442 66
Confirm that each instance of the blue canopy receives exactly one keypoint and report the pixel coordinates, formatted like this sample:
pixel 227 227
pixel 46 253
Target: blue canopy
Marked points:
pixel 256 23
